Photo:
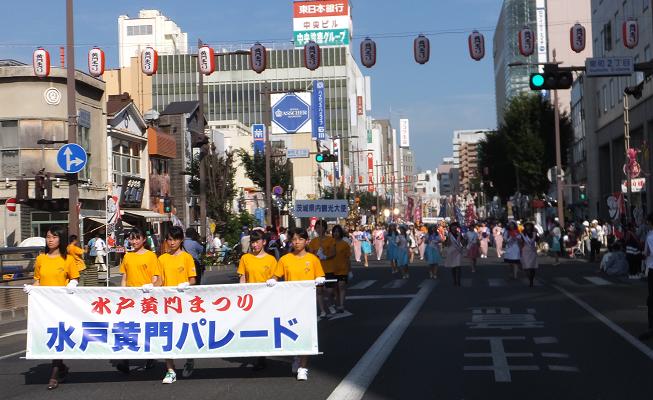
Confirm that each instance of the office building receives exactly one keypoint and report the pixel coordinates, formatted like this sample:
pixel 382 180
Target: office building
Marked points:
pixel 150 28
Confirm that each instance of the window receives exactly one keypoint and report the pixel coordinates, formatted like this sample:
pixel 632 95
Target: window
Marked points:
pixel 605 98
pixel 612 93
pixel 616 27
pixel 647 53
pixel 9 163
pixel 137 30
pixel 9 134
pixel 125 160
pixel 607 36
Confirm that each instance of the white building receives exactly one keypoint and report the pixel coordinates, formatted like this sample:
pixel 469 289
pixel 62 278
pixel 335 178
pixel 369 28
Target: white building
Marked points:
pixel 471 136
pixel 426 189
pixel 150 28
pixel 406 172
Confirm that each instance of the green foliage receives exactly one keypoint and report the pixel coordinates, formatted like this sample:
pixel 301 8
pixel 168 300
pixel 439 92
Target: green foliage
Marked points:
pixel 523 148
pixel 280 168
pixel 232 228
pixel 220 186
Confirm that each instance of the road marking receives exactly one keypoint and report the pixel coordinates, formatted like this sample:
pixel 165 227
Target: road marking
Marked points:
pixel 340 315
pixel 616 328
pixel 545 340
pixel 12 354
pixel 362 285
pixel 555 355
pixel 381 296
pixel 499 357
pixel 562 368
pixel 565 281
pixel 597 280
pixel 426 282
pixel 395 284
pixel 354 385
pixel 14 333
pixel 496 282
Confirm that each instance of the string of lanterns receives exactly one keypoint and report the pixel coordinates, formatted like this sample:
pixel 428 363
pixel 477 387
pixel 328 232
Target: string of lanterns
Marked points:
pixel 368 53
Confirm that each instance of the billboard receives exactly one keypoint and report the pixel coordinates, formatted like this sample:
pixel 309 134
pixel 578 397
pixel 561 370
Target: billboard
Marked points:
pixel 291 113
pixel 404 133
pixel 319 111
pixel 327 23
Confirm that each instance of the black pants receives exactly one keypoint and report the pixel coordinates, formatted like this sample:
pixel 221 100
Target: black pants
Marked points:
pixel 456 273
pixel 595 250
pixel 649 300
pixel 634 263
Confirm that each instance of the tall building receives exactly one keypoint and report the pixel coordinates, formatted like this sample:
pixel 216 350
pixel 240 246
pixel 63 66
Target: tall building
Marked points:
pixel 150 28
pixel 550 20
pixel 465 136
pixel 235 93
pixel 406 172
pixel 380 168
pixel 603 106
pixel 445 182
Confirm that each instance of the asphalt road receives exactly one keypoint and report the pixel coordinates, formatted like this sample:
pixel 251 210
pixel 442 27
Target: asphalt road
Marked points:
pixel 573 336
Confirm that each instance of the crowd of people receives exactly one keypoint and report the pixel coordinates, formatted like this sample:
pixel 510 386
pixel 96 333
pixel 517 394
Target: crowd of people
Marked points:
pixel 325 256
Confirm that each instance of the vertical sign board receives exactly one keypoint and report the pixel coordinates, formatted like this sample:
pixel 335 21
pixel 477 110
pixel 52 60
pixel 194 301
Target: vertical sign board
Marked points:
pixel 325 22
pixel 336 151
pixel 359 105
pixel 404 132
pixel 540 18
pixel 258 136
pixel 319 111
pixel 370 172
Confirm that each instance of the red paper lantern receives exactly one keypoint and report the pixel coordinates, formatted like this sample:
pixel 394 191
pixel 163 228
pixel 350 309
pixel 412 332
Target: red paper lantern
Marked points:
pixel 526 41
pixel 577 37
pixel 476 42
pixel 422 49
pixel 149 61
pixel 630 33
pixel 41 62
pixel 368 52
pixel 257 58
pixel 96 62
pixel 312 55
pixel 206 60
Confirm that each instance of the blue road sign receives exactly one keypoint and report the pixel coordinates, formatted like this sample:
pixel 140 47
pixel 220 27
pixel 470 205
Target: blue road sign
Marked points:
pixel 258 134
pixel 291 113
pixel 319 111
pixel 72 158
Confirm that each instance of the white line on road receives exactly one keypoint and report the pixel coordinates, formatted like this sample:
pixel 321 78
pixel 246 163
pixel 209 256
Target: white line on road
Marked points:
pixel 616 328
pixel 395 284
pixel 14 333
pixel 362 285
pixel 555 355
pixel 545 340
pixel 12 354
pixel 354 385
pixel 565 281
pixel 597 280
pixel 562 368
pixel 381 296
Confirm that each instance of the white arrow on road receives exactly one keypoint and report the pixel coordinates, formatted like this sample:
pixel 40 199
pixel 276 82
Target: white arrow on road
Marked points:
pixel 340 315
pixel 74 162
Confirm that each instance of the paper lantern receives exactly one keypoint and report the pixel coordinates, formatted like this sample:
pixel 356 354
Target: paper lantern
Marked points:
pixel 96 62
pixel 577 37
pixel 476 42
pixel 149 61
pixel 41 62
pixel 257 58
pixel 368 52
pixel 206 60
pixel 312 55
pixel 422 49
pixel 630 33
pixel 526 41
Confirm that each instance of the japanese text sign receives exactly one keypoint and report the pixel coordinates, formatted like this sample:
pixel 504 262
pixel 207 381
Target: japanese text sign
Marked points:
pixel 321 208
pixel 200 322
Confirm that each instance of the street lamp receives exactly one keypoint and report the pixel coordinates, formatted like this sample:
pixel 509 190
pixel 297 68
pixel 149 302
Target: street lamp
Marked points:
pixel 386 213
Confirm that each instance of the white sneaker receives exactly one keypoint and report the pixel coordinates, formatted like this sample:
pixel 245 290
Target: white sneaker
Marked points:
pixel 322 315
pixel 332 309
pixel 295 365
pixel 170 377
pixel 302 374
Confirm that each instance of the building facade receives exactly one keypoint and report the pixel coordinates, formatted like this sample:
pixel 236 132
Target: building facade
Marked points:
pixel 150 28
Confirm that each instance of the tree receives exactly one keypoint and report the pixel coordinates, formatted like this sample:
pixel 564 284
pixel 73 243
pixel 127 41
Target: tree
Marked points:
pixel 518 154
pixel 280 169
pixel 220 187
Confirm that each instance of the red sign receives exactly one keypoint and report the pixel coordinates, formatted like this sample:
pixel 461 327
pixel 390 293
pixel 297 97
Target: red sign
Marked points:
pixel 11 204
pixel 359 105
pixel 325 8
pixel 370 172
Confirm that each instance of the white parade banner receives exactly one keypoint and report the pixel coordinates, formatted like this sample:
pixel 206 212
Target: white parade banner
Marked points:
pixel 212 321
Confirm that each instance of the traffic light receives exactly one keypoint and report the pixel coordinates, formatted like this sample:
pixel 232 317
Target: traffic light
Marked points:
pixel 22 191
pixel 582 194
pixel 325 156
pixel 39 186
pixel 167 205
pixel 551 78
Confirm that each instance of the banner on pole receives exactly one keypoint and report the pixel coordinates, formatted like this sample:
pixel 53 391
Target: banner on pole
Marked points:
pixel 213 321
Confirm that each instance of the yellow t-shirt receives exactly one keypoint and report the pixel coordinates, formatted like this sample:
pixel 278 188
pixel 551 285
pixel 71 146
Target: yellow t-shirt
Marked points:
pixel 177 269
pixel 257 269
pixel 328 245
pixel 54 271
pixel 341 263
pixel 294 268
pixel 140 268
pixel 77 254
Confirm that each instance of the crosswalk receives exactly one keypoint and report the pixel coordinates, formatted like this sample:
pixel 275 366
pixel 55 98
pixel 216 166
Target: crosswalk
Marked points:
pixel 392 284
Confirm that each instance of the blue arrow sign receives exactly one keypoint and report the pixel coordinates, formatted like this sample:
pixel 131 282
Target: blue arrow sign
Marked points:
pixel 72 158
pixel 291 113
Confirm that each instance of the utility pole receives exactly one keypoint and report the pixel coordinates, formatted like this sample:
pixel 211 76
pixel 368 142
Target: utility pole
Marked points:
pixel 629 188
pixel 561 207
pixel 267 117
pixel 73 191
pixel 203 151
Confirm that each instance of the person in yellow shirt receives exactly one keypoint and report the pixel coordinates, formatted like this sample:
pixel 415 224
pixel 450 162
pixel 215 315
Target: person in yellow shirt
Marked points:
pixel 139 268
pixel 324 247
pixel 257 267
pixel 55 268
pixel 76 252
pixel 178 270
pixel 341 268
pixel 299 265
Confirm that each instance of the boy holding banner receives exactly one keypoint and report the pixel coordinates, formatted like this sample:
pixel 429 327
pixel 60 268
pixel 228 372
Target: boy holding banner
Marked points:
pixel 299 265
pixel 257 267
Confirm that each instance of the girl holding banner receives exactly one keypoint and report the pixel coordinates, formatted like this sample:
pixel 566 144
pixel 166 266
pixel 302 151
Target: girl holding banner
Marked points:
pixel 454 252
pixel 299 265
pixel 178 269
pixel 55 268
pixel 139 268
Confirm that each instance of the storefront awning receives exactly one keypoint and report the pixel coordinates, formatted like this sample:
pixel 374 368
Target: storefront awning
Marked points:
pixel 101 221
pixel 149 216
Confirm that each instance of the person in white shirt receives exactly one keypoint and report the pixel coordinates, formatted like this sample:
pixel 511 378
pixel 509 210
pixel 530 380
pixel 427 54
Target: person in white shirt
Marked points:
pixel 100 251
pixel 512 254
pixel 595 243
pixel 217 243
pixel 648 252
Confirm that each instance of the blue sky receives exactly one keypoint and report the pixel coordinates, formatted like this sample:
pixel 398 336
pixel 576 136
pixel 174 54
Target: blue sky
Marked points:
pixel 451 92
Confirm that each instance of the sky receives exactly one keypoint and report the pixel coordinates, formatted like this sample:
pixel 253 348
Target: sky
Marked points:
pixel 450 92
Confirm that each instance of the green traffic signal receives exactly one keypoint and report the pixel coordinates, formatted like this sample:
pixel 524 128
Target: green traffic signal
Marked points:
pixel 319 157
pixel 537 80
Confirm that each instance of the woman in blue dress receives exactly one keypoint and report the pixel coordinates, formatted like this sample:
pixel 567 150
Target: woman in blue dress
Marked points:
pixel 401 252
pixel 366 244
pixel 433 257
pixel 391 249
